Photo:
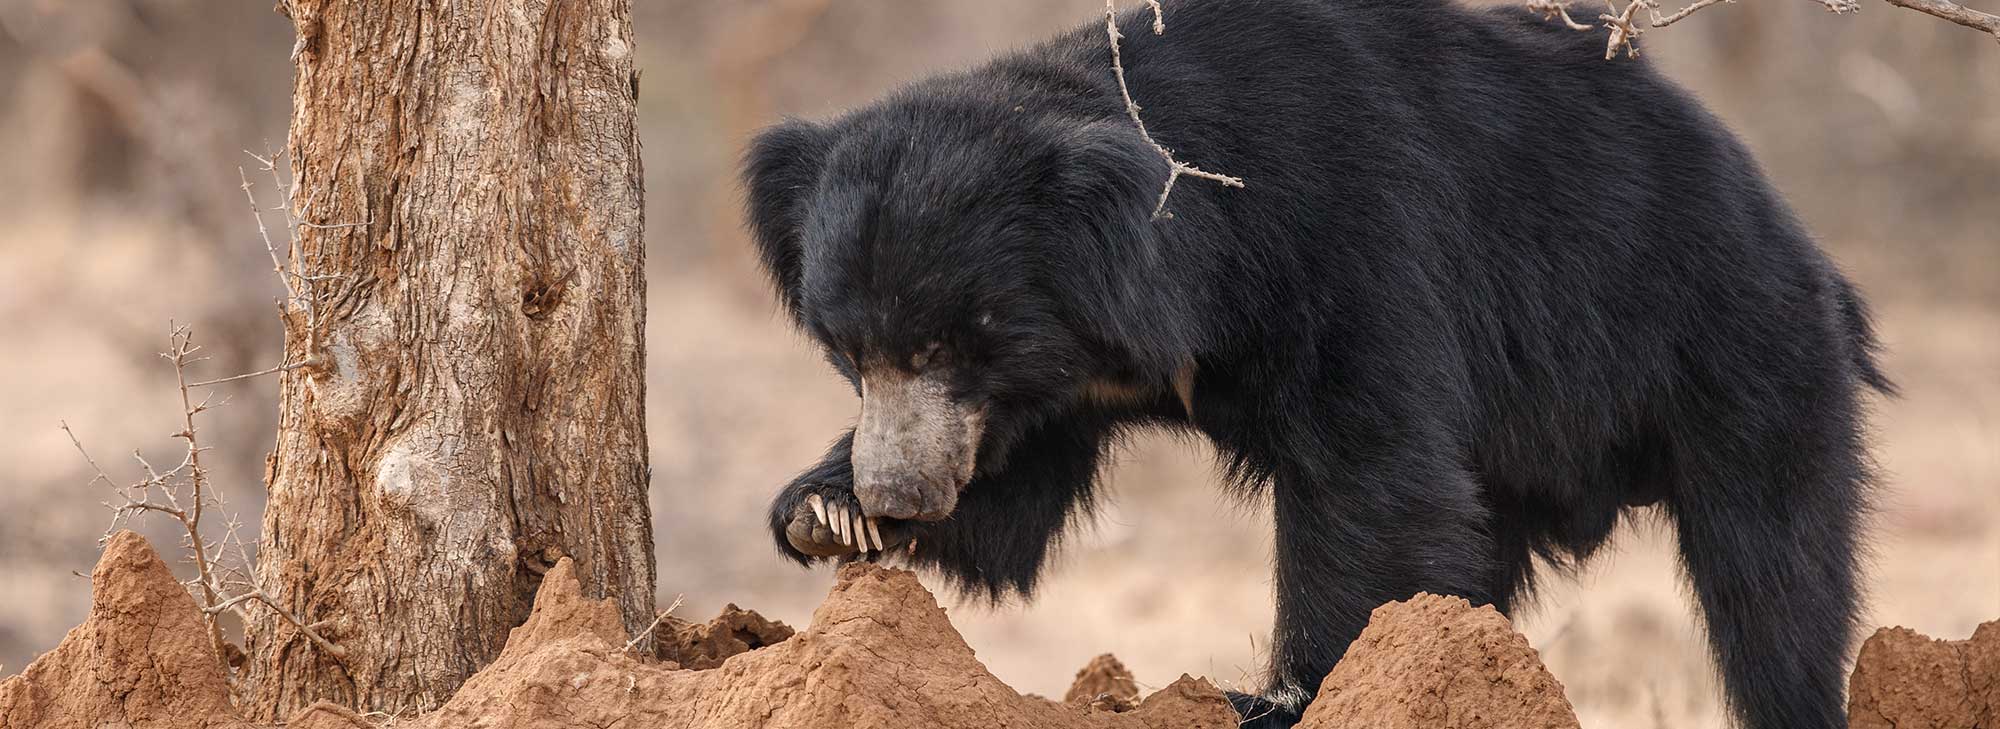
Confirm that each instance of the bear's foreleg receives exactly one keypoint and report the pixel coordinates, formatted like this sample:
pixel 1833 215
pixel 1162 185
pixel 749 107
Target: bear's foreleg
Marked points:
pixel 1381 521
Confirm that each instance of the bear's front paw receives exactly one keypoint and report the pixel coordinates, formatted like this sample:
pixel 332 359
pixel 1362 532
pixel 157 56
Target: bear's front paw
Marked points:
pixel 829 523
pixel 1258 712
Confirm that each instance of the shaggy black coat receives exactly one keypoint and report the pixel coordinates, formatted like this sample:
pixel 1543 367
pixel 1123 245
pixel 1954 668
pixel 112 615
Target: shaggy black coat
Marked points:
pixel 1484 293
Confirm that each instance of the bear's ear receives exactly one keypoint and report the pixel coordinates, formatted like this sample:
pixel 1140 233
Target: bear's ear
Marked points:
pixel 780 170
pixel 1109 169
pixel 1130 282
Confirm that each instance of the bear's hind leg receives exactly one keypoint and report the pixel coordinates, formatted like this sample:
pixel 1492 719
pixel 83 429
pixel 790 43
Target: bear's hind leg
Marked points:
pixel 1768 534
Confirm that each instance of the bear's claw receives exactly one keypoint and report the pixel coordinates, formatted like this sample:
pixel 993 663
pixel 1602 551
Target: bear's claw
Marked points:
pixel 836 528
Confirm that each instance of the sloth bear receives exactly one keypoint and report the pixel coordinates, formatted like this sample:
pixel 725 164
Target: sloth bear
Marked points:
pixel 1484 293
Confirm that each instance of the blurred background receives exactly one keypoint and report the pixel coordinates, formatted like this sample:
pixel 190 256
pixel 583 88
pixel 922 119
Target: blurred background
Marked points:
pixel 123 123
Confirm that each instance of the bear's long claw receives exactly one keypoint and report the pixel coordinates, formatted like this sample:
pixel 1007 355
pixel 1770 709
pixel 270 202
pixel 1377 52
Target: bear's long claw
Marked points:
pixel 818 505
pixel 875 532
pixel 860 532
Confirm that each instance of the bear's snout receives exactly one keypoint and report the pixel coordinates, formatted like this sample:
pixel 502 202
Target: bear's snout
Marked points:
pixel 914 448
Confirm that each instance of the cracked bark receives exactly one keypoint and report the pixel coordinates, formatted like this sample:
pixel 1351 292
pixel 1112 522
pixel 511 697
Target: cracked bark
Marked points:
pixel 468 177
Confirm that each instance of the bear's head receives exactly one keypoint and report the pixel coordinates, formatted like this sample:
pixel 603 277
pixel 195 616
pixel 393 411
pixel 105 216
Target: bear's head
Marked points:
pixel 974 268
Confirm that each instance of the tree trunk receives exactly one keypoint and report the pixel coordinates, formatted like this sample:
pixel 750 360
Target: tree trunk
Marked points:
pixel 470 315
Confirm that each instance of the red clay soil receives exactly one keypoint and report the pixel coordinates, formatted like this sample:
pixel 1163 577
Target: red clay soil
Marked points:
pixel 1104 683
pixel 704 646
pixel 142 658
pixel 1903 680
pixel 327 715
pixel 879 653
pixel 1439 663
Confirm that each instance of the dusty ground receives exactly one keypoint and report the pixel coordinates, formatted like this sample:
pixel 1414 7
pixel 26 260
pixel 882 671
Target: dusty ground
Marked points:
pixel 880 652
pixel 1904 680
pixel 1868 122
pixel 1435 662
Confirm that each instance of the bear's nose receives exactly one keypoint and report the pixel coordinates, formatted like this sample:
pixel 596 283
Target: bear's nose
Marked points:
pixel 894 503
pixel 904 498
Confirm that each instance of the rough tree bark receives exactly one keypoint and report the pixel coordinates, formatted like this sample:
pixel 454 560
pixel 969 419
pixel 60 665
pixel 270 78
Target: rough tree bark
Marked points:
pixel 469 315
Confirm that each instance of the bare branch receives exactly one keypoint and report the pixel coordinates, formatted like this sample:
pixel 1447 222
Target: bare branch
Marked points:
pixel 249 375
pixel 235 604
pixel 1179 168
pixel 1553 10
pixel 1624 33
pixel 182 339
pixel 86 456
pixel 1841 7
pixel 1953 12
pixel 1659 22
pixel 277 267
pixel 1624 29
pixel 657 619
pixel 185 495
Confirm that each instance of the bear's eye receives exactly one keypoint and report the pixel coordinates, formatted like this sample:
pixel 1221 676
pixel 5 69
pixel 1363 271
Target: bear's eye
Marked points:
pixel 933 355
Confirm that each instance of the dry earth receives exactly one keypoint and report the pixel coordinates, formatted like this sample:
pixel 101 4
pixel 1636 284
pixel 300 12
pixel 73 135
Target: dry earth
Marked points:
pixel 1904 680
pixel 879 653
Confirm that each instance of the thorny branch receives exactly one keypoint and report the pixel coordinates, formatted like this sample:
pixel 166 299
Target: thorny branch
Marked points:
pixel 252 592
pixel 182 341
pixel 1179 168
pixel 1623 33
pixel 1552 10
pixel 183 492
pixel 302 291
pixel 1625 28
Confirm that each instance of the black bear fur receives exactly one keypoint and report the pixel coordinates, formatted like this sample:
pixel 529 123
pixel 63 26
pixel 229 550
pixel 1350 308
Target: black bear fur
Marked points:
pixel 1484 293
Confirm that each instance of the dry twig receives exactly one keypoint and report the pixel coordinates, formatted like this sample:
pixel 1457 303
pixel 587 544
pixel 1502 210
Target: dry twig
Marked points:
pixel 1954 12
pixel 1659 22
pixel 1552 10
pixel 183 493
pixel 1624 33
pixel 1624 29
pixel 657 619
pixel 302 291
pixel 1179 168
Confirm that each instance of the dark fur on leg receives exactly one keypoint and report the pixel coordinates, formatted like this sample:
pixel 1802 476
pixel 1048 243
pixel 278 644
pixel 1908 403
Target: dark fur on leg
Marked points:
pixel 1769 515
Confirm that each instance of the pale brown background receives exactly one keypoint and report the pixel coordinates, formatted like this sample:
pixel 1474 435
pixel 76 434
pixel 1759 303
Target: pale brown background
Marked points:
pixel 120 130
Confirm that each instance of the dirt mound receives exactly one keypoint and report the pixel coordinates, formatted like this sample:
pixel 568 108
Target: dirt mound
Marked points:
pixel 327 715
pixel 1104 683
pixel 704 646
pixel 1438 663
pixel 1904 680
pixel 142 658
pixel 879 653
